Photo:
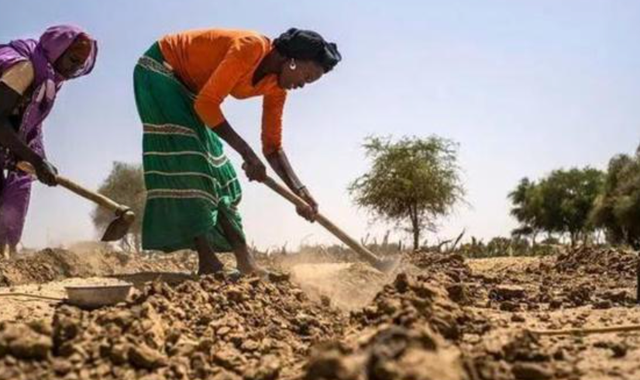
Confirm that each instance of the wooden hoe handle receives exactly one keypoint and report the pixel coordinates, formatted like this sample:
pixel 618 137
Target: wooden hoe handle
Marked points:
pixel 364 253
pixel 79 190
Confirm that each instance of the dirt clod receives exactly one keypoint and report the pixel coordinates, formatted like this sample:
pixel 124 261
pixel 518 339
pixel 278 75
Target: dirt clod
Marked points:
pixel 531 371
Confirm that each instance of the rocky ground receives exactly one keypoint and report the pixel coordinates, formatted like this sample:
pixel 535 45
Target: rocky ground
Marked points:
pixel 437 317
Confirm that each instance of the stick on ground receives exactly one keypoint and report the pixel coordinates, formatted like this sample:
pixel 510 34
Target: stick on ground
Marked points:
pixel 584 331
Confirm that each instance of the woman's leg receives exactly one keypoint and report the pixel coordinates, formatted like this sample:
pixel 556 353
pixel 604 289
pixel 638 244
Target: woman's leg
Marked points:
pixel 208 262
pixel 3 232
pixel 15 205
pixel 244 260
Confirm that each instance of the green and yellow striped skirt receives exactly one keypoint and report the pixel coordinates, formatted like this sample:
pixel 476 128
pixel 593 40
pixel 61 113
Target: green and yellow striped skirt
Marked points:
pixel 190 182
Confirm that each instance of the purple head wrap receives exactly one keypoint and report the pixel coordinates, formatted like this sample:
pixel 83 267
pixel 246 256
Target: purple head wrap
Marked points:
pixel 43 55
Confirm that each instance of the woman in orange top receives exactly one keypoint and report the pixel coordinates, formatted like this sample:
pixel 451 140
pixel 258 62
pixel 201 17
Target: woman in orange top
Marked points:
pixel 180 85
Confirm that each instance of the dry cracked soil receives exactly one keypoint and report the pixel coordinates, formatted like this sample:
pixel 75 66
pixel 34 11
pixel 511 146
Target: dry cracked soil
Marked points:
pixel 438 317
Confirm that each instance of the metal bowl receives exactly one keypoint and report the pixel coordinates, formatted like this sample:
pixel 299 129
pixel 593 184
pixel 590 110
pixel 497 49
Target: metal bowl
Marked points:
pixel 96 296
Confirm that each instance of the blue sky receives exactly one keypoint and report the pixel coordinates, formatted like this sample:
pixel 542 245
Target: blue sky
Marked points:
pixel 525 87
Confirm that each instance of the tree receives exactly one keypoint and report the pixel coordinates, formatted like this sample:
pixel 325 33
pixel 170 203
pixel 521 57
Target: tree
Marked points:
pixel 412 181
pixel 125 185
pixel 617 209
pixel 568 197
pixel 526 209
pixel 560 203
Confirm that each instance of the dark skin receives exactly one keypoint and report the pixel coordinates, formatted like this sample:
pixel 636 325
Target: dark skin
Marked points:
pixel 208 263
pixel 74 57
pixel 292 74
pixel 69 63
pixel 9 100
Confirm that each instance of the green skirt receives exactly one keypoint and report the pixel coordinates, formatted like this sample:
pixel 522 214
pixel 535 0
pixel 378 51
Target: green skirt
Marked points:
pixel 190 182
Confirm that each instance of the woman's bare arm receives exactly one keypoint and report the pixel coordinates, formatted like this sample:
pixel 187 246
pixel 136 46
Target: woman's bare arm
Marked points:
pixel 13 85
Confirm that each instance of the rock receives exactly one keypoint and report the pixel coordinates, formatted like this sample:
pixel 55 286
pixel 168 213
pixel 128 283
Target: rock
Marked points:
pixel 304 323
pixel 235 294
pixel 458 293
pixel 222 331
pixel 145 357
pixel 268 369
pixel 507 293
pixel 183 347
pixel 225 375
pixel 250 345
pixel 619 350
pixel 603 304
pixel 330 363
pixel 555 303
pixel 618 297
pixel 509 306
pixel 531 371
pixel 119 353
pixel 402 282
pixel 24 343
pixel 122 318
pixel 229 358
pixel 580 295
pixel 389 305
pixel 279 277
pixel 61 367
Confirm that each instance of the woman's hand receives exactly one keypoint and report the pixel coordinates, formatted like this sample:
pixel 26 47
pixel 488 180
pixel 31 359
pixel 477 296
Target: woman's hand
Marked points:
pixel 252 166
pixel 310 211
pixel 46 172
pixel 255 169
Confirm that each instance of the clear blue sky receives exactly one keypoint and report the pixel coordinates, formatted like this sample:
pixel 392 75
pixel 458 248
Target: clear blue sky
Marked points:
pixel 524 86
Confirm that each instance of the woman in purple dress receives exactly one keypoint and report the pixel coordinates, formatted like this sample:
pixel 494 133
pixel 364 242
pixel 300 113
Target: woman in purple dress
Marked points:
pixel 31 74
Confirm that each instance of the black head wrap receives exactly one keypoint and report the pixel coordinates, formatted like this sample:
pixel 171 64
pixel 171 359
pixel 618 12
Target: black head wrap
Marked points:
pixel 308 45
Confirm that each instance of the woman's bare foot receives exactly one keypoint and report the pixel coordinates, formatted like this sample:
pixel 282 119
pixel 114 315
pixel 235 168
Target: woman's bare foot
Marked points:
pixel 209 267
pixel 246 265
pixel 208 262
pixel 4 251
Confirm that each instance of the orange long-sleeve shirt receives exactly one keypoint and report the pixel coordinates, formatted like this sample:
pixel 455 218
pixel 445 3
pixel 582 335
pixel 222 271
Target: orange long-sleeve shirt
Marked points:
pixel 216 63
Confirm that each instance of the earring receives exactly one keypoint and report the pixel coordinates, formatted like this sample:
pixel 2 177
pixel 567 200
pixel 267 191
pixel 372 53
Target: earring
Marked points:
pixel 292 64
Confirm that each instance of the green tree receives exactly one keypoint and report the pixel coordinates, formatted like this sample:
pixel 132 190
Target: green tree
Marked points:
pixel 559 203
pixel 125 185
pixel 567 201
pixel 617 209
pixel 412 182
pixel 527 209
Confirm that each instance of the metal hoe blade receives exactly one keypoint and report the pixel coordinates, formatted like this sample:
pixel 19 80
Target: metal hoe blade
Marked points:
pixel 387 265
pixel 119 227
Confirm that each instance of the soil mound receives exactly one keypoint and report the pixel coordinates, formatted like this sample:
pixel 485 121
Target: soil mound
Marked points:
pixel 601 261
pixel 57 264
pixel 407 332
pixel 389 353
pixel 47 265
pixel 451 264
pixel 213 328
pixel 410 301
